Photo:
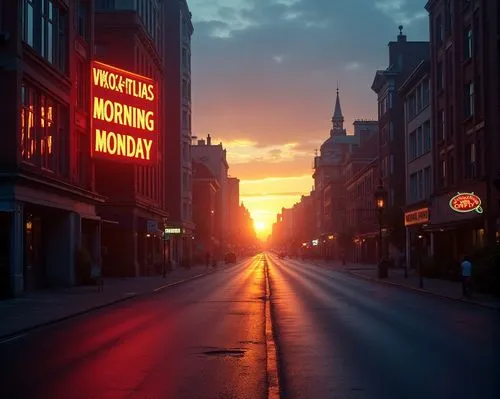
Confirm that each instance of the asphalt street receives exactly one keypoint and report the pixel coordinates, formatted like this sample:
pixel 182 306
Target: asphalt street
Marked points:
pixel 337 337
pixel 343 337
pixel 201 339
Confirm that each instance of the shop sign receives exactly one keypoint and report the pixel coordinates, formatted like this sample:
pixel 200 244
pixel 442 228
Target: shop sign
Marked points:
pixel 466 202
pixel 418 216
pixel 124 123
pixel 173 230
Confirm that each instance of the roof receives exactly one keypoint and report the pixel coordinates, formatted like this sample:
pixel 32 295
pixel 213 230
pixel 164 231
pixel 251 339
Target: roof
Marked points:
pixel 422 69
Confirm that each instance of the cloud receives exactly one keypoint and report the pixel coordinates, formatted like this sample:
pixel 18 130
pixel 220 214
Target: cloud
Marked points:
pixel 352 66
pixel 278 58
pixel 401 11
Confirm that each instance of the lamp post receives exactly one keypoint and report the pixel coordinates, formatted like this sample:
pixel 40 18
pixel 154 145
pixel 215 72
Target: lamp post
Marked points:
pixel 164 236
pixel 380 197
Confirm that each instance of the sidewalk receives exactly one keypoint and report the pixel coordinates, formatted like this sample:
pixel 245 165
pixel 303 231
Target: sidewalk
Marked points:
pixel 436 287
pixel 42 307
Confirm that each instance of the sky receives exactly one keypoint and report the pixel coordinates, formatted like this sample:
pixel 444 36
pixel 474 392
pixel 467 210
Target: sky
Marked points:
pixel 264 77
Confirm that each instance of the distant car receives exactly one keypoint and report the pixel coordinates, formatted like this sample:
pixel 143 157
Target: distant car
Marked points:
pixel 230 257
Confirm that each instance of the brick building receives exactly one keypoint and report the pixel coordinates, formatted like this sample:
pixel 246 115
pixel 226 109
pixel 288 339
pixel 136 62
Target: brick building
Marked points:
pixel 465 51
pixel 176 47
pixel 404 56
pixel 418 162
pixel 47 193
pixel 205 188
pixel 128 36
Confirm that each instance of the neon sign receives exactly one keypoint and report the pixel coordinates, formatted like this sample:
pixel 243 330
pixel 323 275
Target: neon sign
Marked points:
pixel 124 115
pixel 466 202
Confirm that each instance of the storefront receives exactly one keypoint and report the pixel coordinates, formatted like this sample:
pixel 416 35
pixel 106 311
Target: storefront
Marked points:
pixel 419 242
pixel 40 234
pixel 457 223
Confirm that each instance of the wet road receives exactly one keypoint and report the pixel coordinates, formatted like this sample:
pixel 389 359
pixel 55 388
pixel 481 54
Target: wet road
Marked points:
pixel 342 337
pixel 338 337
pixel 202 339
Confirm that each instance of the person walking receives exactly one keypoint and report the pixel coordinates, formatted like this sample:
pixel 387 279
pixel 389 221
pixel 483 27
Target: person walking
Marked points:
pixel 466 272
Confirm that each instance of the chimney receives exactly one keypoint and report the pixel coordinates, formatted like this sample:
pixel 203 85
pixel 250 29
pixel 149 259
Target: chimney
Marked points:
pixel 209 140
pixel 201 142
pixel 401 37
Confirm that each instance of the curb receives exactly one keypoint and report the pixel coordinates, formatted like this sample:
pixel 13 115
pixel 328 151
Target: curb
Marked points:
pixel 22 332
pixel 421 290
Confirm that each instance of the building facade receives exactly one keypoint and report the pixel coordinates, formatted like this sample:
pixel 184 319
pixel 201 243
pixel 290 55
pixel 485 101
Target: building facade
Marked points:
pixel 176 43
pixel 361 213
pixel 48 203
pixel 404 56
pixel 205 187
pixel 213 156
pixel 418 160
pixel 233 210
pixel 127 35
pixel 464 65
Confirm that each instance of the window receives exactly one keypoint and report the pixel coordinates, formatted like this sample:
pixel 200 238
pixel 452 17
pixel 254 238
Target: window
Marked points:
pixel 478 99
pixel 45 30
pixel 184 119
pixel 419 98
pixel 441 125
pixel 391 164
pixel 439 81
pixel 82 85
pixel 412 105
pixel 427 182
pixel 420 184
pixel 28 22
pixel 184 181
pixel 420 141
pixel 413 146
pixel 442 173
pixel 448 17
pixel 451 120
pixel 83 20
pixel 425 93
pixel 391 131
pixel 44 130
pixel 470 161
pixel 468 43
pixel 439 29
pixel 469 99
pixel 427 136
pixel 413 187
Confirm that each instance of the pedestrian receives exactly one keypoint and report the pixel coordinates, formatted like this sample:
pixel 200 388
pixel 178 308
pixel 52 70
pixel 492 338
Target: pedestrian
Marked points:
pixel 466 272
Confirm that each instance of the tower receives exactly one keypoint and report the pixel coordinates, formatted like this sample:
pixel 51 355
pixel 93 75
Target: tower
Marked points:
pixel 337 118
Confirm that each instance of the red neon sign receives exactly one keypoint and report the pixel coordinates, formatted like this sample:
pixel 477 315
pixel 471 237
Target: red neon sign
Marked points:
pixel 466 202
pixel 124 115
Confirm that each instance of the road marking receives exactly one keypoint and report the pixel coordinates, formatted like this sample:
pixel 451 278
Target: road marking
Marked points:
pixel 273 383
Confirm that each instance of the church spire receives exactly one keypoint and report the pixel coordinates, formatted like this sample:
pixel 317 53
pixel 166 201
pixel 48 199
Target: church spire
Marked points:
pixel 337 118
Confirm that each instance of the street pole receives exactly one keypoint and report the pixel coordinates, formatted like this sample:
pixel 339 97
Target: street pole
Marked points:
pixel 164 255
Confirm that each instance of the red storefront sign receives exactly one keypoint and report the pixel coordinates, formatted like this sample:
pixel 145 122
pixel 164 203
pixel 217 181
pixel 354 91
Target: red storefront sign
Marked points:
pixel 466 202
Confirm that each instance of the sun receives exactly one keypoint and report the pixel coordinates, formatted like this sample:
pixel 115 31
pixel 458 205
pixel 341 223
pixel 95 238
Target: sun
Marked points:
pixel 259 225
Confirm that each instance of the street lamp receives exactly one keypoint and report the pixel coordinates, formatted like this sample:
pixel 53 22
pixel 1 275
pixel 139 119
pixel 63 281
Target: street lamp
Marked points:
pixel 164 236
pixel 380 198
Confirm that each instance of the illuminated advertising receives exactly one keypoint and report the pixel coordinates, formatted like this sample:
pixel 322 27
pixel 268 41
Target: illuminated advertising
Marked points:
pixel 124 115
pixel 466 202
pixel 418 216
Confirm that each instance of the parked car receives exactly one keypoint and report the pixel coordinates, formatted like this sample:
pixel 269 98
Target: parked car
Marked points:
pixel 230 257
